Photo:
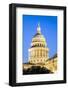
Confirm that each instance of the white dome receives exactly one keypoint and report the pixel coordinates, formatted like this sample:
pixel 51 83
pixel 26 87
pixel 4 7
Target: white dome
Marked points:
pixel 38 39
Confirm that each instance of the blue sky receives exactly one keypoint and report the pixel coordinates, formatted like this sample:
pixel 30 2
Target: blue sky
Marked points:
pixel 48 26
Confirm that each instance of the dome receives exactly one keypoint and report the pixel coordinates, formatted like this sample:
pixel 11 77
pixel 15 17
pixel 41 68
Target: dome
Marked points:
pixel 38 37
pixel 38 40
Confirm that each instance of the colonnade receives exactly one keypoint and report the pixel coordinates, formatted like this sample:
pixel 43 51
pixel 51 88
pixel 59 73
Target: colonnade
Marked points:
pixel 38 54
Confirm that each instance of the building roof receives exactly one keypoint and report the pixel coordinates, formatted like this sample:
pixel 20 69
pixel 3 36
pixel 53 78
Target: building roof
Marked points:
pixel 53 57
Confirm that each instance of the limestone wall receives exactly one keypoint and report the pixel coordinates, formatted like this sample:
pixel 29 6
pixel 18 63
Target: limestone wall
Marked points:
pixel 50 64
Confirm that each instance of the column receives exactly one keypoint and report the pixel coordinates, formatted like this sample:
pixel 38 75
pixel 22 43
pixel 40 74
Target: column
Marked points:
pixel 38 53
pixel 35 53
pixel 41 53
pixel 44 53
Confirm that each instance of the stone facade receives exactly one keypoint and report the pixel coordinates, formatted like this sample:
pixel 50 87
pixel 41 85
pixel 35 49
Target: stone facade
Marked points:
pixel 50 64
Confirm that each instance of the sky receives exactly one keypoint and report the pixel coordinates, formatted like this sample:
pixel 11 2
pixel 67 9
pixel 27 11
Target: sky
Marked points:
pixel 48 26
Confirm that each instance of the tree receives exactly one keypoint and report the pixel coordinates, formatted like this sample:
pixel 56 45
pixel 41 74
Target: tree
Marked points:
pixel 36 70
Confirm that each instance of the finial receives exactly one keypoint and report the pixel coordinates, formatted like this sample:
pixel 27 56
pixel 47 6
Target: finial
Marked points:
pixel 39 24
pixel 38 28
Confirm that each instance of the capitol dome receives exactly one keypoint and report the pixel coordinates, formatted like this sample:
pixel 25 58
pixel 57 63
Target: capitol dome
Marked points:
pixel 38 51
pixel 38 40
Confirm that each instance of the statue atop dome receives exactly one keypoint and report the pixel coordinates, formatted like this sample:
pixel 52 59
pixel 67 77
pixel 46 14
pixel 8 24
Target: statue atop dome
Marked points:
pixel 38 28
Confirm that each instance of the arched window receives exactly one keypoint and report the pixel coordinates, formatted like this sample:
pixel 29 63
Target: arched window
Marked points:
pixel 40 45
